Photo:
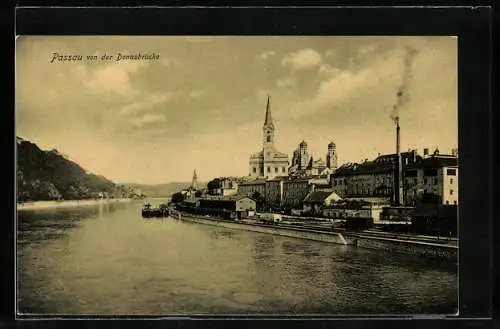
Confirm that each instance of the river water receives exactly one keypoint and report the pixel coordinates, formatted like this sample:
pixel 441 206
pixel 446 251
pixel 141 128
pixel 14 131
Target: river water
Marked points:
pixel 107 259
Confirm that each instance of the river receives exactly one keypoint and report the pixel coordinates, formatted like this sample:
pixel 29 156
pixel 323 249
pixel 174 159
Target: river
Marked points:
pixel 106 259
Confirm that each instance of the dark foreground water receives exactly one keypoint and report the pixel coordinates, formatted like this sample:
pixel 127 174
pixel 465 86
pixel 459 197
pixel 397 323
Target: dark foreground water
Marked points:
pixel 106 259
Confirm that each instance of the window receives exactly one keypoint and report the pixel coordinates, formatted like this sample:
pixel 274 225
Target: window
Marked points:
pixel 451 192
pixel 268 139
pixel 451 180
pixel 268 169
pixel 254 170
pixel 451 172
pixel 447 202
pixel 276 169
pixel 435 181
pixel 415 181
pixel 283 169
pixel 455 202
pixel 430 172
pixel 425 180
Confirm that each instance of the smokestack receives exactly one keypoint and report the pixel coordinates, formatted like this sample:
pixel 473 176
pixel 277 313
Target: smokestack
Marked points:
pixel 399 176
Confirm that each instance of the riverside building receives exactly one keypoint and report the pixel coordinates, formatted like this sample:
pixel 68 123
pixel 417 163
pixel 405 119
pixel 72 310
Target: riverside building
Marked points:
pixel 428 174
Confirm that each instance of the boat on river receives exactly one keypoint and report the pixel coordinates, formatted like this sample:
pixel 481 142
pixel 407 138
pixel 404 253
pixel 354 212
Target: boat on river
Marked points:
pixel 161 211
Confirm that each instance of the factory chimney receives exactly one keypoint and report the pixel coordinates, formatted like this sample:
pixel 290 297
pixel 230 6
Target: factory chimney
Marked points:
pixel 398 188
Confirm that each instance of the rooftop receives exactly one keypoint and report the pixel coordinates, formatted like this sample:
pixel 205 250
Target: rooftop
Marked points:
pixel 319 196
pixel 387 163
pixel 253 182
pixel 435 161
pixel 234 197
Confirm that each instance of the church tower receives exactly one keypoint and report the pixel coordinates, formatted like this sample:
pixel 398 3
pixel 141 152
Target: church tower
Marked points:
pixel 269 162
pixel 268 129
pixel 194 182
pixel 303 155
pixel 331 156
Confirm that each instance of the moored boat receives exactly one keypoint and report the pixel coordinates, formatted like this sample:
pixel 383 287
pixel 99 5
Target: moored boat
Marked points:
pixel 161 211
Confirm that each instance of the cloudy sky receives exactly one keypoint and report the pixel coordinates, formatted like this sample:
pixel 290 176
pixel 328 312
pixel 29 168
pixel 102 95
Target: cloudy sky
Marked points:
pixel 201 105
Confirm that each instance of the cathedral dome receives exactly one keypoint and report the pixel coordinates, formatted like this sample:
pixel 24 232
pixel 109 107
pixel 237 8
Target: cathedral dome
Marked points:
pixel 331 145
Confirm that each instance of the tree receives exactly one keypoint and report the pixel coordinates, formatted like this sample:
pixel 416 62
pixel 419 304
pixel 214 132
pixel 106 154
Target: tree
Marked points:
pixel 259 200
pixel 214 184
pixel 177 197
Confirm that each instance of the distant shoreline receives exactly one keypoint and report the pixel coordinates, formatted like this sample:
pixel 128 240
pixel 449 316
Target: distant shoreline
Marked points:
pixel 35 205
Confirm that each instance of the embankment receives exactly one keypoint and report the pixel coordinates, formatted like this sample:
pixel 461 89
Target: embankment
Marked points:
pixel 330 237
pixel 361 240
pixel 38 205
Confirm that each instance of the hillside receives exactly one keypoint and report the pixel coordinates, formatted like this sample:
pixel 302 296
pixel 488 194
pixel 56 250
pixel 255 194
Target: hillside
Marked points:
pixel 49 175
pixel 161 190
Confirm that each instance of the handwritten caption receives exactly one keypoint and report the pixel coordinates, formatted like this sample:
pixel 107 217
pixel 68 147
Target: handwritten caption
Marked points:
pixel 57 57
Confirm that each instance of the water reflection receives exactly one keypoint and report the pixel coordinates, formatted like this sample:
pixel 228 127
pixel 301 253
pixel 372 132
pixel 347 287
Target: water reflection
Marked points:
pixel 108 260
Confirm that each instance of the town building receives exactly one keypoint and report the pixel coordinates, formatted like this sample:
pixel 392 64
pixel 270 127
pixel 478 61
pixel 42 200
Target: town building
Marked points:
pixel 268 163
pixel 348 208
pixel 294 192
pixel 250 187
pixel 234 206
pixel 427 174
pixel 371 178
pixel 314 202
pixel 227 186
pixel 436 174
pixel 274 192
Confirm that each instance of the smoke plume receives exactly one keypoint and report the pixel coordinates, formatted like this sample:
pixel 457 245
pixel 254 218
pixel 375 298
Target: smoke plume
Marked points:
pixel 403 95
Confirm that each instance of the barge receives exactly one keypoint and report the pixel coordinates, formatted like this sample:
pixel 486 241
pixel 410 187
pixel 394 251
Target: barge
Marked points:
pixel 161 211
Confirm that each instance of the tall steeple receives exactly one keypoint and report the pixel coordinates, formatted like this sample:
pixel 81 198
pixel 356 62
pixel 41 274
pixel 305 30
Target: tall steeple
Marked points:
pixel 269 119
pixel 268 128
pixel 194 182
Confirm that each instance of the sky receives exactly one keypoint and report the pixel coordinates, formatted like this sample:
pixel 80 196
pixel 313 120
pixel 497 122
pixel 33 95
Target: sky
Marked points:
pixel 199 104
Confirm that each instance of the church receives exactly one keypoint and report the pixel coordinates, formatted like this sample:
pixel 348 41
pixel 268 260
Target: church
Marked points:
pixel 303 163
pixel 268 163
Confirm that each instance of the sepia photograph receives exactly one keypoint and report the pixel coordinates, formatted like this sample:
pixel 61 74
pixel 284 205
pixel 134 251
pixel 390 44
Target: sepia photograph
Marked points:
pixel 236 175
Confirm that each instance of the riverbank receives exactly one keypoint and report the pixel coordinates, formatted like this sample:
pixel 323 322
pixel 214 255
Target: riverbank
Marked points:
pixel 338 236
pixel 38 205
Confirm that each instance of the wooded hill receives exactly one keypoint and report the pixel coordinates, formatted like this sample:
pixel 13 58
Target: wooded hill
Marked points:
pixel 49 175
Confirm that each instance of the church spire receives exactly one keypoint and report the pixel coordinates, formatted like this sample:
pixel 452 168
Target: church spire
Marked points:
pixel 269 118
pixel 194 182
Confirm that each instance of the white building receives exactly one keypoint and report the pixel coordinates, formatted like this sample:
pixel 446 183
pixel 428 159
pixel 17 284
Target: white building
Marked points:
pixel 268 163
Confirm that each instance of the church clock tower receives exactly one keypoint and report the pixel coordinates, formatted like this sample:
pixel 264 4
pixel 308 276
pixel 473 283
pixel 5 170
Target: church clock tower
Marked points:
pixel 268 129
pixel 268 163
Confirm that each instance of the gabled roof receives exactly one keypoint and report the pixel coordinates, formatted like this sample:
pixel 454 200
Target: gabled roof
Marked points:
pixel 278 154
pixel 253 182
pixel 297 180
pixel 278 179
pixel 234 197
pixel 367 167
pixel 237 197
pixel 257 155
pixel 435 162
pixel 319 196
